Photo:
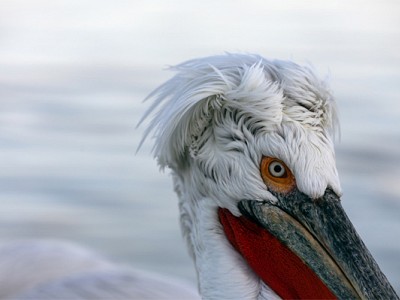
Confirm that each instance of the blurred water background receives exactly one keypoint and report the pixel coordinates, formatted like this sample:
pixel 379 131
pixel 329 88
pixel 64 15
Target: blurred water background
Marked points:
pixel 72 78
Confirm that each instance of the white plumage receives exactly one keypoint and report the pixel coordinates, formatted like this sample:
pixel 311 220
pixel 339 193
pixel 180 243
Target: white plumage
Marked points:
pixel 54 269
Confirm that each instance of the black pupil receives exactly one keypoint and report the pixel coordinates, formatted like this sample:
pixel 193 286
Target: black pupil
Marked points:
pixel 277 168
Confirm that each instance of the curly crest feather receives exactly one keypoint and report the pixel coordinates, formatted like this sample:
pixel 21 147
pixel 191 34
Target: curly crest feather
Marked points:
pixel 249 89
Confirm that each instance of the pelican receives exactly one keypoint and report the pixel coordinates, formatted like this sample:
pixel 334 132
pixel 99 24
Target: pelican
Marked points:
pixel 249 142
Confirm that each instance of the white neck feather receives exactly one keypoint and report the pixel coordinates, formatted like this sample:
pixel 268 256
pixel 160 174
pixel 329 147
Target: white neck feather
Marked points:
pixel 222 272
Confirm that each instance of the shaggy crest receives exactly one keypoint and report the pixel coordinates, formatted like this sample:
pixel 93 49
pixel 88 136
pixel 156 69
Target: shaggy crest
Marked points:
pixel 254 92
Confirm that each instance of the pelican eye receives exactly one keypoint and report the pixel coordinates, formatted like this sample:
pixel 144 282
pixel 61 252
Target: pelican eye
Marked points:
pixel 277 169
pixel 276 175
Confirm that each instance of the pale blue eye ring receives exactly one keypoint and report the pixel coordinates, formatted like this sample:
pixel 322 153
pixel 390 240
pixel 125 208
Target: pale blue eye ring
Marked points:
pixel 277 169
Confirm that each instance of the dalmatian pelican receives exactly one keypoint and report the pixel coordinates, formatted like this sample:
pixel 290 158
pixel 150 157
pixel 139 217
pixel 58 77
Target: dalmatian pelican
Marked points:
pixel 249 142
pixel 250 145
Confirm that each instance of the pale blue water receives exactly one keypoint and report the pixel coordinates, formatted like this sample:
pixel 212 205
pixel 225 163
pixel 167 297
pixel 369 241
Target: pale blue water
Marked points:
pixel 72 78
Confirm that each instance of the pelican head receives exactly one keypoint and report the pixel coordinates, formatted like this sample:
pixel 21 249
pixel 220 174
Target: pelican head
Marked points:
pixel 250 145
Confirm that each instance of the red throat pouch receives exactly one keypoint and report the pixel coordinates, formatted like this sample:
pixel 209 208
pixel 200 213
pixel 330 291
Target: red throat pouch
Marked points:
pixel 281 269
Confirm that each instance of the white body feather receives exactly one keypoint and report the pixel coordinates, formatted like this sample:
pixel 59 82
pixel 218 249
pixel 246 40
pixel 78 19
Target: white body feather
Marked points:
pixel 49 269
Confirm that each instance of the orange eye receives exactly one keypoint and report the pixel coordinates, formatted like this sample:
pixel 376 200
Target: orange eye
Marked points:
pixel 276 175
